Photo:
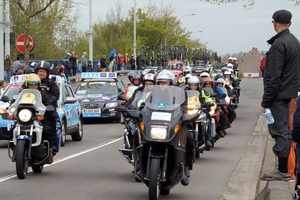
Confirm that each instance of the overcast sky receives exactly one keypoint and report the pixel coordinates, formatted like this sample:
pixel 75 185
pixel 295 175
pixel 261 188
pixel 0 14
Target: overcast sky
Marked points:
pixel 227 28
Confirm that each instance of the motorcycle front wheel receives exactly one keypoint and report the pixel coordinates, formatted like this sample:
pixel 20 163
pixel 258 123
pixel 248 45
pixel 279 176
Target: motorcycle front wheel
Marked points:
pixel 21 155
pixel 154 179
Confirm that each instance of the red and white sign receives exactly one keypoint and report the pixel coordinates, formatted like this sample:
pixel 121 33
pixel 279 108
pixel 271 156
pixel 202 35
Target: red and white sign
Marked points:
pixel 20 43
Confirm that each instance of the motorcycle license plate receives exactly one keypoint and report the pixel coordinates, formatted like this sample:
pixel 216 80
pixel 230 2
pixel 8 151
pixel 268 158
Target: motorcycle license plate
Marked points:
pixel 10 126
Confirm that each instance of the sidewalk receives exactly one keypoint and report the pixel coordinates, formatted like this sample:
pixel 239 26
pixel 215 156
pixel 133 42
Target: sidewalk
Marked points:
pixel 257 159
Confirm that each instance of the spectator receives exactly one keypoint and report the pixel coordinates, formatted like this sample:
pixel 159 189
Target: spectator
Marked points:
pixel 132 62
pixel 65 70
pixel 112 55
pixel 103 64
pixel 2 86
pixel 126 59
pixel 55 69
pixel 262 65
pixel 16 66
pixel 111 65
pixel 73 63
pixel 116 61
pixel 84 62
pixel 7 68
pixel 281 84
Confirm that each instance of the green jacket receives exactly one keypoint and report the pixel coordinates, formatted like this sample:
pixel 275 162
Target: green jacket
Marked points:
pixel 7 64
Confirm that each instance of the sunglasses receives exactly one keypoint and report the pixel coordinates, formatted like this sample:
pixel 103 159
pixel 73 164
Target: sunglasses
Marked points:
pixel 194 85
pixel 32 84
pixel 207 83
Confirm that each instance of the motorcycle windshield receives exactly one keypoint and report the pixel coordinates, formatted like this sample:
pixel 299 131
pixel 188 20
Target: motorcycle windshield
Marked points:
pixel 193 101
pixel 163 97
pixel 29 97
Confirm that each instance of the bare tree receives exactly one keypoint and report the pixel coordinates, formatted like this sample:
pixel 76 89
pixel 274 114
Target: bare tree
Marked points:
pixel 30 9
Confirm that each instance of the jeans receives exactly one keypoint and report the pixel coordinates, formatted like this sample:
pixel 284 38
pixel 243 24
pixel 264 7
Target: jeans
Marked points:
pixel 208 132
pixel 7 75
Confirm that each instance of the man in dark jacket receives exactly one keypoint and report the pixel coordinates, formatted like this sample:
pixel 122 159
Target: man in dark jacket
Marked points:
pixel 48 86
pixel 281 80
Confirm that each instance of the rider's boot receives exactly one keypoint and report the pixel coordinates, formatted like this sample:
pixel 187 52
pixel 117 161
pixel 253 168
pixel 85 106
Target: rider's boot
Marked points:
pixel 50 158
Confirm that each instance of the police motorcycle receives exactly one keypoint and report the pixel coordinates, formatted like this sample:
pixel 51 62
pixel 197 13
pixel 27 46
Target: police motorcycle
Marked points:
pixel 162 138
pixel 27 147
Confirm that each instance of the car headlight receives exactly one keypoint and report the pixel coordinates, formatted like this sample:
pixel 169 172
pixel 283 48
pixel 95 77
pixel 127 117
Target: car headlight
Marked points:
pixel 110 105
pixel 25 115
pixel 158 132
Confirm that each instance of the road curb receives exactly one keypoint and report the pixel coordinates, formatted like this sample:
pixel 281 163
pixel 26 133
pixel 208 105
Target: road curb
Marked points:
pixel 243 181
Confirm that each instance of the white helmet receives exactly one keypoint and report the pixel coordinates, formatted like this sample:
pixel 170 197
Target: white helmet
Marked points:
pixel 193 80
pixel 229 65
pixel 204 74
pixel 149 77
pixel 220 80
pixel 234 58
pixel 187 76
pixel 165 76
pixel 230 58
pixel 227 72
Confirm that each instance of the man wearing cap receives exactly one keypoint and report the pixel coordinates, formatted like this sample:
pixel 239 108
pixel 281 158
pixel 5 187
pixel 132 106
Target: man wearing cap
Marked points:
pixel 281 81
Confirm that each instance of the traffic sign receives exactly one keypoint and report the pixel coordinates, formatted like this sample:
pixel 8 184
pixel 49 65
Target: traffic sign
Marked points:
pixel 20 43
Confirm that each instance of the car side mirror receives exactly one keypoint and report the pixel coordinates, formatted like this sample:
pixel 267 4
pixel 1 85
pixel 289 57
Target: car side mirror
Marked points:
pixel 5 99
pixel 70 100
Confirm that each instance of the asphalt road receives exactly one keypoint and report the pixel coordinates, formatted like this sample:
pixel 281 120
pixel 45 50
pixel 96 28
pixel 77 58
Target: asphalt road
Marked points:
pixel 94 169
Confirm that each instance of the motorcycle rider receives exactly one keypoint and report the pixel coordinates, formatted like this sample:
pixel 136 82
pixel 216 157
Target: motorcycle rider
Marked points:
pixel 194 84
pixel 49 87
pixel 147 84
pixel 164 79
pixel 33 81
pixel 135 80
pixel 209 82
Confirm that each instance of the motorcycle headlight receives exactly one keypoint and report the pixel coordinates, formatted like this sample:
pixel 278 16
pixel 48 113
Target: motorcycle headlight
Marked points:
pixel 25 115
pixel 158 132
pixel 112 104
pixel 191 112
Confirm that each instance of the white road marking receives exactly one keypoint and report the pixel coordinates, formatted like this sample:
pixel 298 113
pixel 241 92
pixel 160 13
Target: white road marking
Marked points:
pixel 8 177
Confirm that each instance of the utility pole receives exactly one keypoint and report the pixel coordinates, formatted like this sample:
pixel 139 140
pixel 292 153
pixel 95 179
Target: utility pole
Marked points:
pixel 8 24
pixel 1 42
pixel 134 33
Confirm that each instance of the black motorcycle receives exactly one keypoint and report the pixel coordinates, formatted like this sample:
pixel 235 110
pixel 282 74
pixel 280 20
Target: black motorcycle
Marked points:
pixel 162 137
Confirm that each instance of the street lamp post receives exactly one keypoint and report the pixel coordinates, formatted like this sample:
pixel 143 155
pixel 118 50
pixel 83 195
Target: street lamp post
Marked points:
pixel 90 33
pixel 193 14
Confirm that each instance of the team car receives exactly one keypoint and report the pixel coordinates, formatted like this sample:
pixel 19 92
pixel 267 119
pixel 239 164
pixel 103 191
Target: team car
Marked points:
pixel 97 94
pixel 68 109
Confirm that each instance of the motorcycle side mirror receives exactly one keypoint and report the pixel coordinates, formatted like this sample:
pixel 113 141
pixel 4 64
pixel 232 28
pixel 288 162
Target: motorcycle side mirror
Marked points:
pixel 120 91
pixel 213 94
pixel 223 95
pixel 5 99
pixel 50 108
pixel 121 97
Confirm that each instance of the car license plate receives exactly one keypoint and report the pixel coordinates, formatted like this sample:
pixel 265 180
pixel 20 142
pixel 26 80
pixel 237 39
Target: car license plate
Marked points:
pixel 92 110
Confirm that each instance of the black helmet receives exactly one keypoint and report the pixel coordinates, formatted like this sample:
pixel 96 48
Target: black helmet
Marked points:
pixel 42 65
pixel 218 76
pixel 136 76
pixel 130 75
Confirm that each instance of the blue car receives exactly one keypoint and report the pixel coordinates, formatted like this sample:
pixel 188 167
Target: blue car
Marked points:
pixel 97 94
pixel 68 110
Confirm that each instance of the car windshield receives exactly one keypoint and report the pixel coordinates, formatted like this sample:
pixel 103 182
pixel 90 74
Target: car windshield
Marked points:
pixel 12 91
pixel 97 88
